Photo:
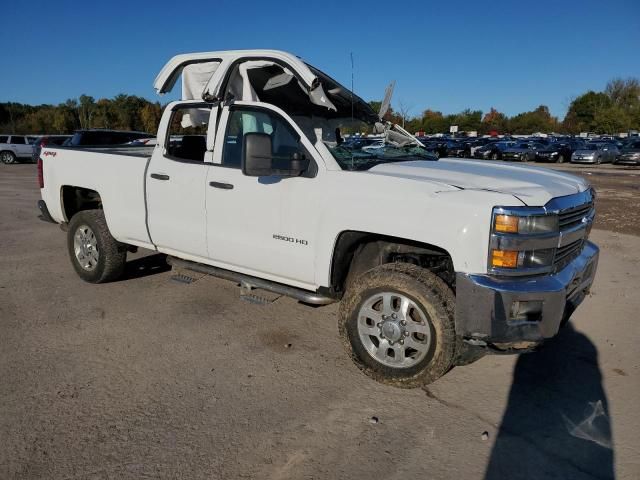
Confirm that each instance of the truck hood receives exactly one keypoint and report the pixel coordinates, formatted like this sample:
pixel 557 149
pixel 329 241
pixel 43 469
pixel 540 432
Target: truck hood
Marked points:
pixel 534 186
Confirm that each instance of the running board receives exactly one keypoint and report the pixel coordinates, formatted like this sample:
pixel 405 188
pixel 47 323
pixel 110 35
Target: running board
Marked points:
pixel 296 293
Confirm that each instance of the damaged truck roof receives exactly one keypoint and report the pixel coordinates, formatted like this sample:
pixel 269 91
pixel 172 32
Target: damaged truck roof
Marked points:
pixel 257 75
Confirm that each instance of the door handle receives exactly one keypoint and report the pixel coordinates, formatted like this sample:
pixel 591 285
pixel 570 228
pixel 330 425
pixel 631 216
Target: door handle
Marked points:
pixel 224 186
pixel 159 176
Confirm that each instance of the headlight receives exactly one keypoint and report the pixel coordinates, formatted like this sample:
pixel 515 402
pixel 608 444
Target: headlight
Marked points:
pixel 520 240
pixel 525 225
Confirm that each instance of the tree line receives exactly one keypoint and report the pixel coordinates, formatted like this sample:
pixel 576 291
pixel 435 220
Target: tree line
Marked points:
pixel 123 112
pixel 614 110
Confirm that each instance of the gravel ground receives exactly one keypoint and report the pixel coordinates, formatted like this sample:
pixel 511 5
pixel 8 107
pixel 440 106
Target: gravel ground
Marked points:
pixel 144 378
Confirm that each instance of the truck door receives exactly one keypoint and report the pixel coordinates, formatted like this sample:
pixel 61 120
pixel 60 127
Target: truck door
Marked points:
pixel 176 182
pixel 262 226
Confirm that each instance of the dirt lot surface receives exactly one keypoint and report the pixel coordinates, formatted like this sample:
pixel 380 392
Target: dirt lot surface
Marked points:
pixel 144 378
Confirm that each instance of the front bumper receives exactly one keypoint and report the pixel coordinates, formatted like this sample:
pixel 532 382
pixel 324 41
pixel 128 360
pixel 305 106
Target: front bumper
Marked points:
pixel 484 304
pixel 627 161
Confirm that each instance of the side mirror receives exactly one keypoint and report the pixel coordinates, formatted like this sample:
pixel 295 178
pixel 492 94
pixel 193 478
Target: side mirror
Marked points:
pixel 256 155
pixel 258 160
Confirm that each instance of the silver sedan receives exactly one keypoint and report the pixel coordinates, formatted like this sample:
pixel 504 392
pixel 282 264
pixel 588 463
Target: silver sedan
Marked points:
pixel 596 153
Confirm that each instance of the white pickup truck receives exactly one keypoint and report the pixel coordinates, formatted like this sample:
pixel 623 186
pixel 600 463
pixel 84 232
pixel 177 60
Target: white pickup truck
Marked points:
pixel 434 262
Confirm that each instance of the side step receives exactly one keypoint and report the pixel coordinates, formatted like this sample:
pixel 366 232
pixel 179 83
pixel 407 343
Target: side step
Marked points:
pixel 247 280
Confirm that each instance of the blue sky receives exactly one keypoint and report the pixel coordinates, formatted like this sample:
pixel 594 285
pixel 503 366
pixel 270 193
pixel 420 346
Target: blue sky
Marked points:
pixel 446 56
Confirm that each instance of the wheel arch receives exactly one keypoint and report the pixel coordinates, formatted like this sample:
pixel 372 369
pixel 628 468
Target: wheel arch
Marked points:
pixel 74 199
pixel 355 252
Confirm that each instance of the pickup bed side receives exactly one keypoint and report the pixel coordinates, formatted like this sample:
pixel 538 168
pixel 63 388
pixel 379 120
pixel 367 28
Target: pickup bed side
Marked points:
pixel 116 175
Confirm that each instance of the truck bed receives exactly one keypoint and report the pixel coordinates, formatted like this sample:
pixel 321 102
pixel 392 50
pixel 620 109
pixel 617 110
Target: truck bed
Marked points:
pixel 116 173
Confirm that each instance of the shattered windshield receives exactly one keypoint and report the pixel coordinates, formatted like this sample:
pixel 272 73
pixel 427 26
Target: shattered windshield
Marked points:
pixel 360 145
pixel 361 159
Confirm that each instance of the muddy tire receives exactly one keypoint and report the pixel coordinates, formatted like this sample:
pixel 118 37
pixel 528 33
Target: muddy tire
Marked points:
pixel 397 323
pixel 95 255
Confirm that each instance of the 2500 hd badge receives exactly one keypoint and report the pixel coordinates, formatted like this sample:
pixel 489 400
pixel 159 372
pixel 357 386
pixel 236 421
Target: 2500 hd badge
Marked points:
pixel 290 239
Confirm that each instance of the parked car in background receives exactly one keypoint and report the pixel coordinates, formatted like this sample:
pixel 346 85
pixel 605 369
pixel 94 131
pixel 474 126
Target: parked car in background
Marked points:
pixel 45 140
pixel 596 153
pixel 474 145
pixel 100 137
pixel 455 148
pixel 630 154
pixel 522 152
pixel 436 146
pixel 558 151
pixel 492 151
pixel 14 148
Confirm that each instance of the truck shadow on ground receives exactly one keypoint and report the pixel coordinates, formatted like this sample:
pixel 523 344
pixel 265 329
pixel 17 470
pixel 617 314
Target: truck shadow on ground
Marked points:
pixel 145 266
pixel 556 424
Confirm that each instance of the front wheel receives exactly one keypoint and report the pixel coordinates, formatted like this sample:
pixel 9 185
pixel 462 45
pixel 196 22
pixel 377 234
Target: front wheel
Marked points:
pixel 494 156
pixel 397 322
pixel 7 157
pixel 96 256
pixel 560 159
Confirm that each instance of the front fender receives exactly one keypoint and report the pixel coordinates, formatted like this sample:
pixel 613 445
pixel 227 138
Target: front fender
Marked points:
pixel 457 221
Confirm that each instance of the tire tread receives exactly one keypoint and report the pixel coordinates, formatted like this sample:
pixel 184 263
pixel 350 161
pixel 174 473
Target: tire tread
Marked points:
pixel 443 300
pixel 113 254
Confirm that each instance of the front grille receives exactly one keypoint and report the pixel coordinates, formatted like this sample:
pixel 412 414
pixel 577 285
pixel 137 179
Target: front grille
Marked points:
pixel 567 253
pixel 573 216
pixel 568 219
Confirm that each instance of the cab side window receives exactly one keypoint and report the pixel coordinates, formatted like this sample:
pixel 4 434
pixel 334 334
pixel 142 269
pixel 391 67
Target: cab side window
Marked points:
pixel 18 141
pixel 187 135
pixel 284 139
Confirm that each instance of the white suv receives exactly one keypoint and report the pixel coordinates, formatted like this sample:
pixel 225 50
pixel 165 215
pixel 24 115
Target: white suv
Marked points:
pixel 14 147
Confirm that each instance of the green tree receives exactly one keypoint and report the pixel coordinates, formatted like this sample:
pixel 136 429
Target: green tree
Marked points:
pixel 612 119
pixel 104 116
pixel 625 97
pixel 150 117
pixel 583 110
pixel 538 120
pixel 467 120
pixel 86 110
pixel 433 122
pixel 64 117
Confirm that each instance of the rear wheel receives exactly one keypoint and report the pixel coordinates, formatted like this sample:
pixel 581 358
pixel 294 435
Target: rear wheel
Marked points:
pixel 7 157
pixel 96 256
pixel 397 322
